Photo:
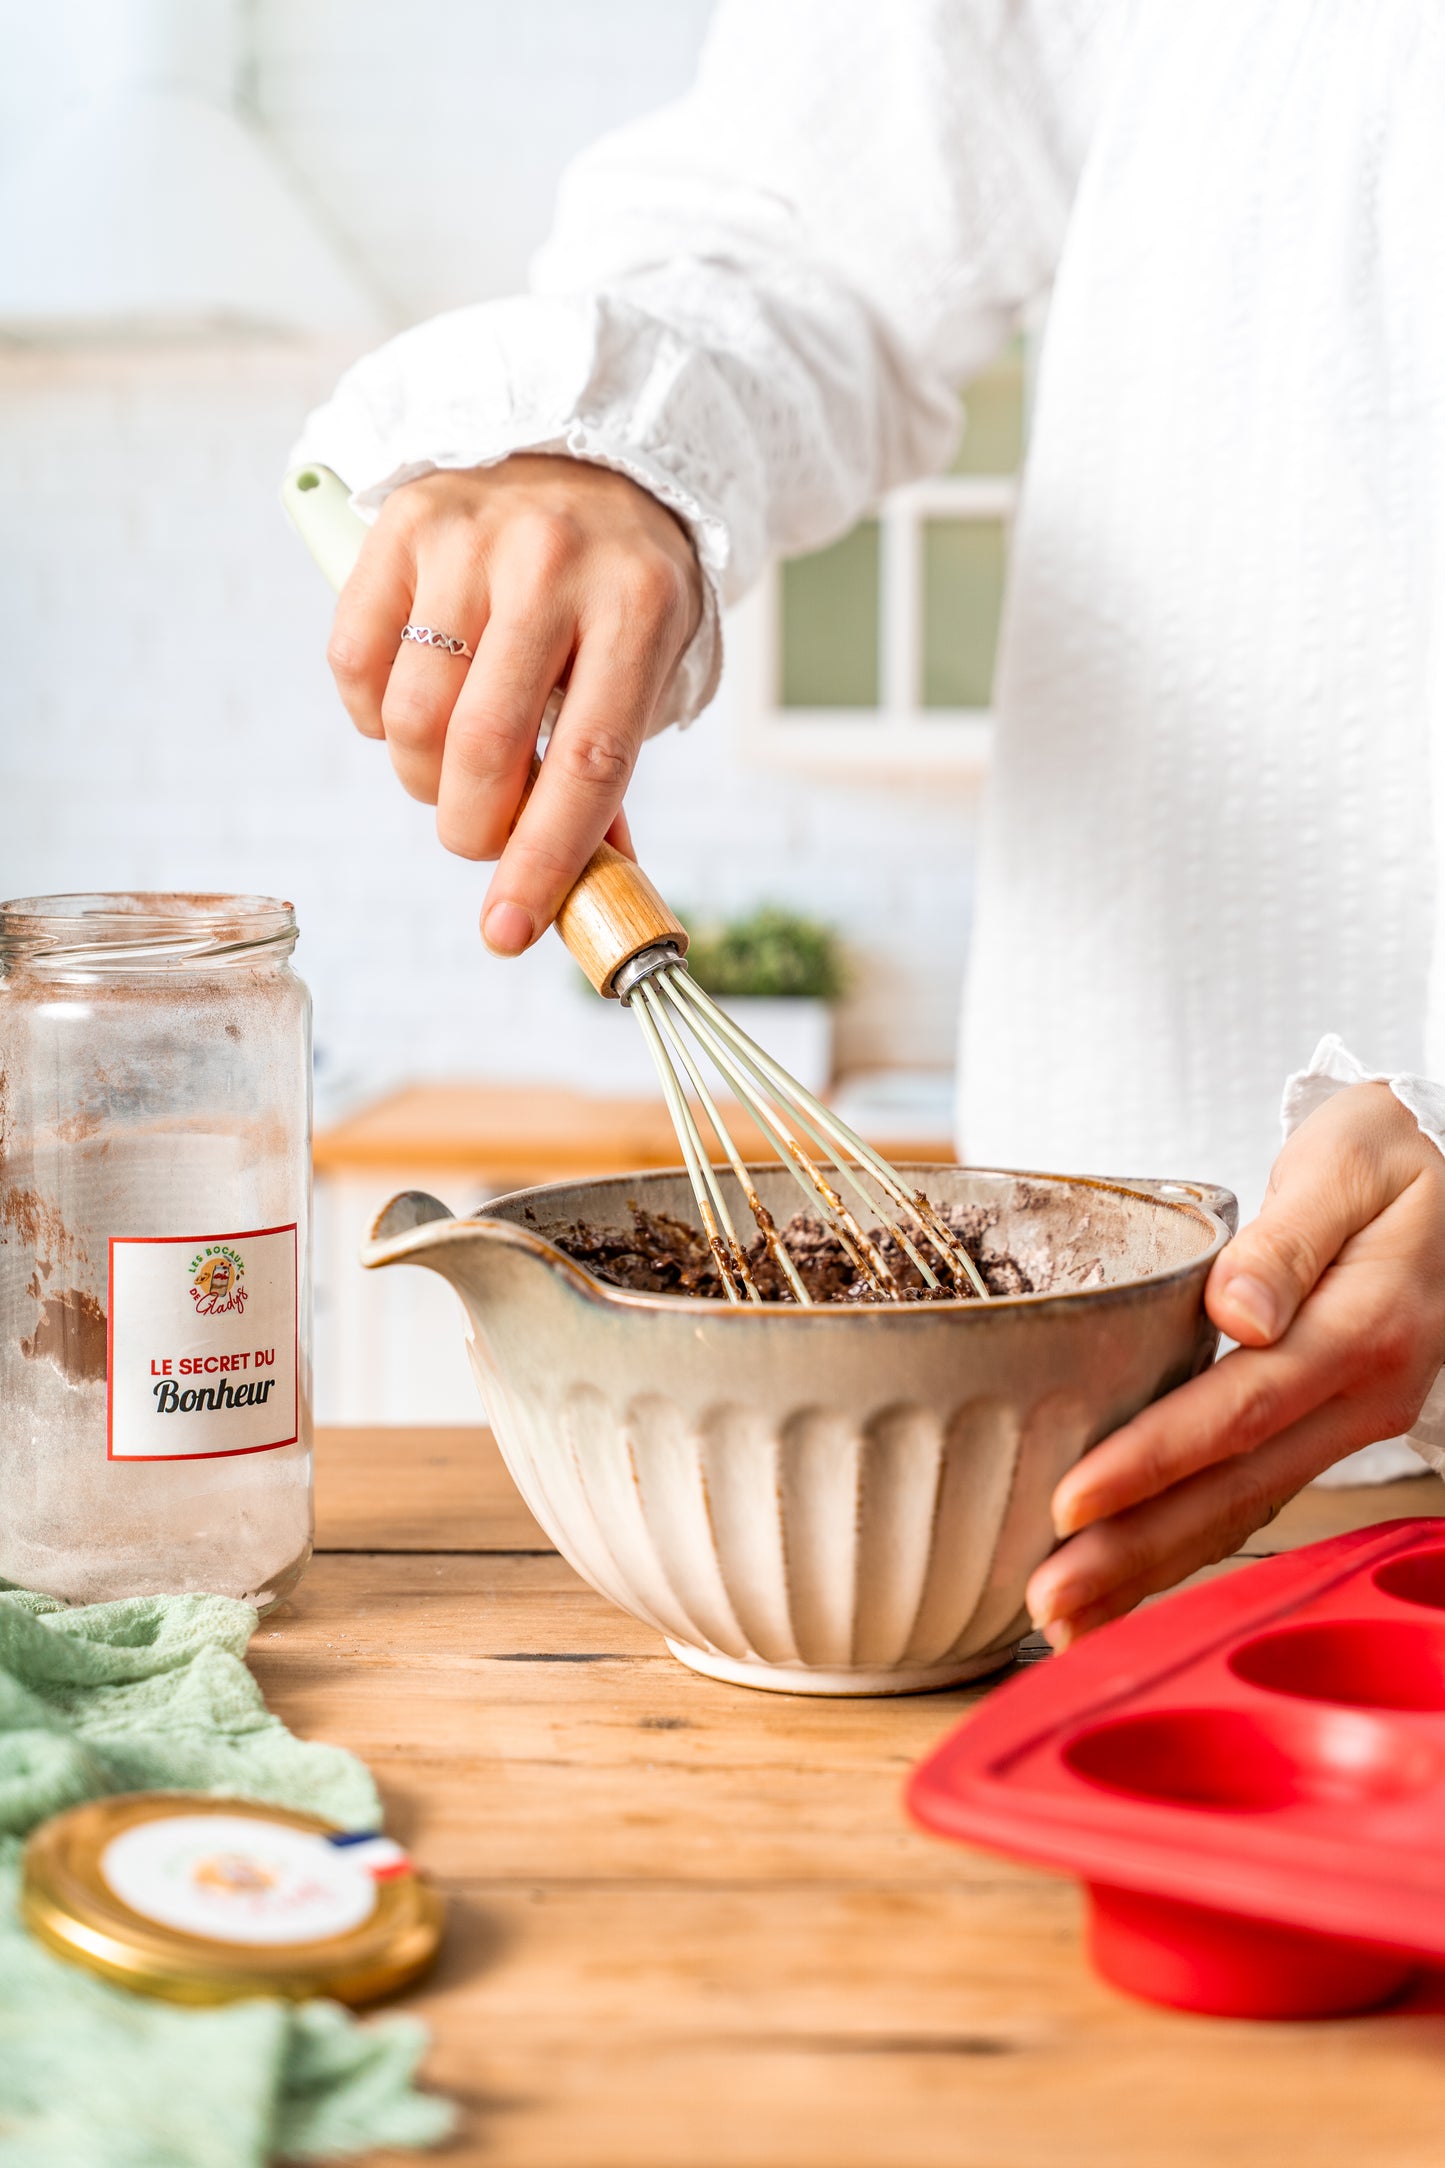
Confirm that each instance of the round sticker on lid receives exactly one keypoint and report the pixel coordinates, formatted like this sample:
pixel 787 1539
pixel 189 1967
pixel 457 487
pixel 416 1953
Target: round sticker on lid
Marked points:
pixel 238 1878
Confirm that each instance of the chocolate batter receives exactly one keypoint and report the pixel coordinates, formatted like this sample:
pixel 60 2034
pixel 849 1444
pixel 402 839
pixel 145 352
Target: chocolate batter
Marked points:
pixel 660 1255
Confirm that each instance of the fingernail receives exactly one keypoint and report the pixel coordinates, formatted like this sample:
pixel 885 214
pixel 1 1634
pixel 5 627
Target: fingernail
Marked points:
pixel 507 929
pixel 1046 1611
pixel 1070 1515
pixel 1254 1304
pixel 1053 1618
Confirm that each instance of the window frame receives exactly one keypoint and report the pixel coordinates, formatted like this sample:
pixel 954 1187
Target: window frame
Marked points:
pixel 899 737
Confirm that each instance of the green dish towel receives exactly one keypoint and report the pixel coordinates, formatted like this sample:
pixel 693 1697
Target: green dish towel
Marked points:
pixel 154 1694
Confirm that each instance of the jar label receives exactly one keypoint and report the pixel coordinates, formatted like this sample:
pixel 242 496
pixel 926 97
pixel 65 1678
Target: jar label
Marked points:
pixel 201 1346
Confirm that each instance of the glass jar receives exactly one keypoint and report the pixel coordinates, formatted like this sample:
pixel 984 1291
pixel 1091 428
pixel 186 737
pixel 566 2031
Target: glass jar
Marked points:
pixel 155 1215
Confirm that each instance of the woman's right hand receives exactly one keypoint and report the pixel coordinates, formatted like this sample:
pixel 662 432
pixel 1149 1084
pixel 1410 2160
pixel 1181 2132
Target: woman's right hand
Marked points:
pixel 554 572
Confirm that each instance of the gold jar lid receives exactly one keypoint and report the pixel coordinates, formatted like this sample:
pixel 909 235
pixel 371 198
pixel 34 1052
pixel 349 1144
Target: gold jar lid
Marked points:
pixel 207 1900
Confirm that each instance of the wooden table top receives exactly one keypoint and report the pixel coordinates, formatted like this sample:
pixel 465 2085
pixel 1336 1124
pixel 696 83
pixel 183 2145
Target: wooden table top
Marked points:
pixel 518 1130
pixel 690 1925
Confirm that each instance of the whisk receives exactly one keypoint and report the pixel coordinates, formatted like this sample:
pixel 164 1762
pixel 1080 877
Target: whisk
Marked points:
pixel 634 950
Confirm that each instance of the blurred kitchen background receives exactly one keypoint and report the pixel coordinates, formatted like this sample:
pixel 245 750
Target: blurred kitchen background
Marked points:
pixel 207 207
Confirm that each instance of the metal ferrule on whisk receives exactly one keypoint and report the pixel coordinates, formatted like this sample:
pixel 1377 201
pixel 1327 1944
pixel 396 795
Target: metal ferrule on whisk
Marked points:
pixel 642 966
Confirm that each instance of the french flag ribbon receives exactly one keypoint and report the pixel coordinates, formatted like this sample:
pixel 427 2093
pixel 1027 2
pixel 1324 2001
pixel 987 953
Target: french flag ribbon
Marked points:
pixel 377 1856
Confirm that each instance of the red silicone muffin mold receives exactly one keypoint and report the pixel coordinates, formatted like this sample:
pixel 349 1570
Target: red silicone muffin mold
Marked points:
pixel 1249 1778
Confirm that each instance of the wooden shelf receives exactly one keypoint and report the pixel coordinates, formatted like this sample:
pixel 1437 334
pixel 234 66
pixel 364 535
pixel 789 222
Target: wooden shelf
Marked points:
pixel 532 1133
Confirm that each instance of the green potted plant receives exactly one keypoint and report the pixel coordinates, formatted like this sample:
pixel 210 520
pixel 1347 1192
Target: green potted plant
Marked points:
pixel 777 974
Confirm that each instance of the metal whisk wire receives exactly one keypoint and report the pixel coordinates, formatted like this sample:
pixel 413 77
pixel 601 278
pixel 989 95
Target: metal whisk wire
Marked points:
pixel 668 1002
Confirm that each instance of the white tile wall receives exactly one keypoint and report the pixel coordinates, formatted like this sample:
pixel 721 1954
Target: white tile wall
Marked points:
pixel 165 713
pixel 432 131
pixel 167 716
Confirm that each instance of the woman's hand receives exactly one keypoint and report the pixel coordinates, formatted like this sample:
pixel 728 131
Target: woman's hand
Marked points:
pixel 553 572
pixel 1336 1294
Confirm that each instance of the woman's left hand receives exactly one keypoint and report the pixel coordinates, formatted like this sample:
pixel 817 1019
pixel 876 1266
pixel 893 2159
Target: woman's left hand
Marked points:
pixel 1336 1294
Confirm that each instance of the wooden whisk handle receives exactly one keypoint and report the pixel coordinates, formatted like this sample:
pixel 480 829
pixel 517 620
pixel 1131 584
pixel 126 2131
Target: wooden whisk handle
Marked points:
pixel 612 914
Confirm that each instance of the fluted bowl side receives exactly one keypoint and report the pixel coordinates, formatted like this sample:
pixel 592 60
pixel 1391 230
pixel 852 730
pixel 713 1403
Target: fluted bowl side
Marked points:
pixel 843 1500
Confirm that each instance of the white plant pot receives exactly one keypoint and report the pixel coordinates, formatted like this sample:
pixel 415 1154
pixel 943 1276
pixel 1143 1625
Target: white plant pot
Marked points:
pixel 798 1035
pixel 612 1055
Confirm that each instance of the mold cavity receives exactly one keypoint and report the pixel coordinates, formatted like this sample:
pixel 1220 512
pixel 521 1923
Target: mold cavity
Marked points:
pixel 1419 1577
pixel 1369 1663
pixel 1244 1763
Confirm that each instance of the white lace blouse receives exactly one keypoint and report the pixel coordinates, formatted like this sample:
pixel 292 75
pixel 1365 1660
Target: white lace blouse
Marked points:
pixel 1217 797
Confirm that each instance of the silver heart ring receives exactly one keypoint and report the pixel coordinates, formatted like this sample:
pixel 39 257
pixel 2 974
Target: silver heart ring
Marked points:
pixel 425 637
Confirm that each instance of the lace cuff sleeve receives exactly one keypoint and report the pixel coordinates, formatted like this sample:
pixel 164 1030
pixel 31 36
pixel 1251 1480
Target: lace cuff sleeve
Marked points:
pixel 1333 1068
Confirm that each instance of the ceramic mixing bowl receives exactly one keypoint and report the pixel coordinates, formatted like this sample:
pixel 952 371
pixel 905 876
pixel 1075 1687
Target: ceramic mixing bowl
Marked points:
pixel 843 1500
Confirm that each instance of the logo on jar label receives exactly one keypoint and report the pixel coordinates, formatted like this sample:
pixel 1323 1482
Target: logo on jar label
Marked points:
pixel 217 1282
pixel 202 1345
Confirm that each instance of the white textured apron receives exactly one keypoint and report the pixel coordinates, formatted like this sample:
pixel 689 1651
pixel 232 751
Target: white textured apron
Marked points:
pixel 1222 692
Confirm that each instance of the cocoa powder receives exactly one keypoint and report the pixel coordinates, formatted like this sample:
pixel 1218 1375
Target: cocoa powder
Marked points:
pixel 71 1333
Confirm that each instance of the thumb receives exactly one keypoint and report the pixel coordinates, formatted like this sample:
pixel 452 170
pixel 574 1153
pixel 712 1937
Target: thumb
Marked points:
pixel 1327 1184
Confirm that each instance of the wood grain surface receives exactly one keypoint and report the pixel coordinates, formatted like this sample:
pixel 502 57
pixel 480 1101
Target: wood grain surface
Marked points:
pixel 612 914
pixel 690 1926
